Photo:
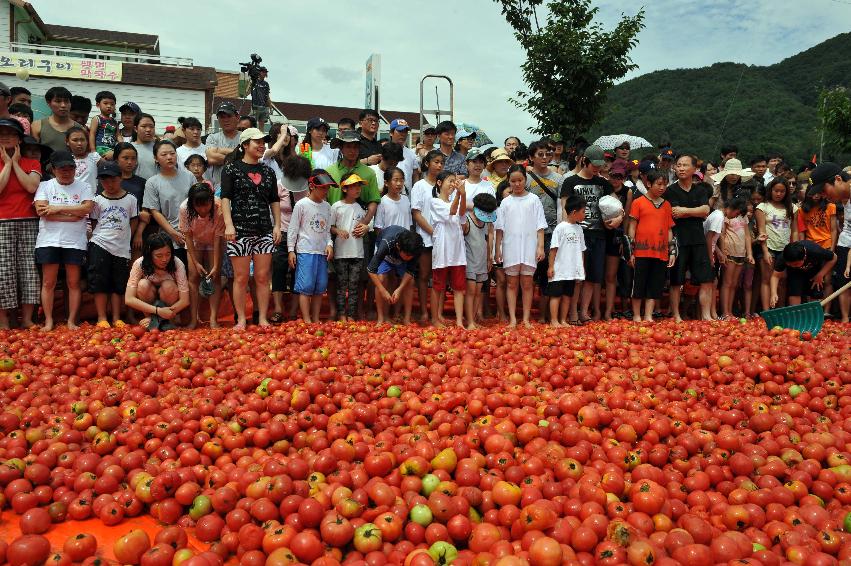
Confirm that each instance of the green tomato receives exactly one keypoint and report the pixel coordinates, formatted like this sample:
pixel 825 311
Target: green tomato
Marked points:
pixel 757 547
pixel 846 524
pixel 544 423
pixel 430 482
pixel 201 506
pixel 795 390
pixel 394 391
pixel 421 514
pixel 442 553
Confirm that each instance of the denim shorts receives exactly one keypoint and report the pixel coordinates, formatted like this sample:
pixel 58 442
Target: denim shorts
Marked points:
pixel 311 274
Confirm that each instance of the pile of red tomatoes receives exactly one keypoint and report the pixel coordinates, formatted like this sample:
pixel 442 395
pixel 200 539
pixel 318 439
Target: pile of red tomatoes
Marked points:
pixel 692 444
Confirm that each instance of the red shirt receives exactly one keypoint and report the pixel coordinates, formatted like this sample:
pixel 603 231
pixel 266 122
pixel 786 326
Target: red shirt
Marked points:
pixel 15 201
pixel 651 231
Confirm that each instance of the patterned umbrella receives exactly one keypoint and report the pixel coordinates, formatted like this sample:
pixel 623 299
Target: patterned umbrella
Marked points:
pixel 615 140
pixel 481 137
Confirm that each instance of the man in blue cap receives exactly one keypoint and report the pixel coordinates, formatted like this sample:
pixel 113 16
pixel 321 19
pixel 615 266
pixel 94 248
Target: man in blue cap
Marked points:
pixel 409 165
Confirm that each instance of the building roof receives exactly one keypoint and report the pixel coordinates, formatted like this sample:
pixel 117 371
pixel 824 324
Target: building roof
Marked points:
pixel 104 37
pixel 186 78
pixel 299 112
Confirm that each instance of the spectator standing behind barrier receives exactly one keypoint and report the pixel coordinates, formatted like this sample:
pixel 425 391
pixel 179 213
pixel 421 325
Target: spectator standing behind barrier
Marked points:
pixel 51 130
pixel 20 95
pixel 221 143
pixel 145 137
pixel 19 179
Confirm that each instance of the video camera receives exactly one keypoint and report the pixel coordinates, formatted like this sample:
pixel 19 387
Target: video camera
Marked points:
pixel 253 67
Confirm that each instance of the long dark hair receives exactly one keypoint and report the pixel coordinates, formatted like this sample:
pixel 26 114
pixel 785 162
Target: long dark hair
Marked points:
pixel 787 200
pixel 199 193
pixel 153 243
pixel 441 177
pixel 388 176
pixel 810 203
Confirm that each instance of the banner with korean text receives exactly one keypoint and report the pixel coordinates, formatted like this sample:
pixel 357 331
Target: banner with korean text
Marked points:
pixel 24 64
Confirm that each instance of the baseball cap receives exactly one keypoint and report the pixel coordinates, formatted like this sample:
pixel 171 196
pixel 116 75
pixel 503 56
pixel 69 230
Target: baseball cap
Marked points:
pixel 317 122
pixel 252 134
pixel 618 167
pixel 461 134
pixel 226 108
pixel 14 124
pixel 646 166
pixel 429 129
pixel 595 155
pixel 399 124
pixel 130 107
pixel 823 173
pixel 667 153
pixel 474 154
pixel 108 169
pixel 61 159
pixel 353 179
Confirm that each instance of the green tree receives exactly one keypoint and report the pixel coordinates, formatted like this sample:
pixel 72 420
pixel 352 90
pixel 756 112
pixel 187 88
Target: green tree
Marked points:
pixel 835 112
pixel 571 62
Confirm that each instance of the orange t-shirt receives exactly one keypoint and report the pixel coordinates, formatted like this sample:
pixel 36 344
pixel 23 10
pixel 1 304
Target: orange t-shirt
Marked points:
pixel 816 223
pixel 651 230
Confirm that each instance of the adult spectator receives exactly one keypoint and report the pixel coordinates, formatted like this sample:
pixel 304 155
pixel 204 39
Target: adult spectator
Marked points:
pixel 145 128
pixel 690 206
pixel 20 95
pixel 774 162
pixel 591 186
pixel 370 146
pixel 410 163
pixel 666 163
pixel 246 122
pixel 426 143
pixel 835 181
pixel 157 286
pixel 349 142
pixel 128 112
pixel 807 265
pixel 19 179
pixel 511 143
pixel 221 143
pixel 345 124
pixel 621 151
pixel 464 141
pixel 454 162
pixel 261 99
pixel 728 152
pixel 192 146
pixel 51 130
pixel 315 147
pixel 544 183
pixel 81 107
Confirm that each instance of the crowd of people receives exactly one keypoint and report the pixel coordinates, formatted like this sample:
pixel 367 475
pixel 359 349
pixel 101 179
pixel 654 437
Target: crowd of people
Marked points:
pixel 154 226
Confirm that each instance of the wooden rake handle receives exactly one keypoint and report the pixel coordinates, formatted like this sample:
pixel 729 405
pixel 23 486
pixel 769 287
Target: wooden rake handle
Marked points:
pixel 836 293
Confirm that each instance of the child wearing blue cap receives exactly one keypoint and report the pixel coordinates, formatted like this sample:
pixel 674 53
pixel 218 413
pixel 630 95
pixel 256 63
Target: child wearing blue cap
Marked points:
pixel 478 242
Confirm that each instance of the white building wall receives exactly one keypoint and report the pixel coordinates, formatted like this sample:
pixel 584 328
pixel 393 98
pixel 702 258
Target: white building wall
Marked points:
pixel 5 17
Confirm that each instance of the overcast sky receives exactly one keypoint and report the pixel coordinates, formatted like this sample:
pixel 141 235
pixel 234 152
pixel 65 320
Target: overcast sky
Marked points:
pixel 316 50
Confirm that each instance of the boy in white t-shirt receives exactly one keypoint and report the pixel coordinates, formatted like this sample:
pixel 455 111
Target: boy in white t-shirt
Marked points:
pixel 348 248
pixel 566 265
pixel 115 213
pixel 713 226
pixel 310 246
pixel 63 205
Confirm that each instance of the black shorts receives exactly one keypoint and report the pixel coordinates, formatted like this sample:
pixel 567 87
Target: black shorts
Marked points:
pixel 182 255
pixel 560 288
pixel 613 243
pixel 540 276
pixel 280 266
pixel 648 279
pixel 595 256
pixel 693 258
pixel 839 278
pixel 107 273
pixel 61 256
pixel 799 283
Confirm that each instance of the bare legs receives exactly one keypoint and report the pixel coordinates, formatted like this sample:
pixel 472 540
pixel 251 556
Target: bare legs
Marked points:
pixel 48 286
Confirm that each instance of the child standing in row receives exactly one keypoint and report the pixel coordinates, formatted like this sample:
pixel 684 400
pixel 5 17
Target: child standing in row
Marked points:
pixel 478 243
pixel 395 207
pixel 566 264
pixel 63 205
pixel 310 245
pixel 86 161
pixel 202 224
pixel 448 253
pixel 104 126
pixel 774 220
pixel 115 214
pixel 346 214
pixel 421 197
pixel 735 250
pixel 520 227
pixel 651 232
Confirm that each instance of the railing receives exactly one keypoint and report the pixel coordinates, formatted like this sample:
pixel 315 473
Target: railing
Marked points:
pixel 62 51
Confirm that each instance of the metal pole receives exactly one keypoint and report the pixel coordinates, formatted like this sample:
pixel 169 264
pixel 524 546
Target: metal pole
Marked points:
pixel 821 141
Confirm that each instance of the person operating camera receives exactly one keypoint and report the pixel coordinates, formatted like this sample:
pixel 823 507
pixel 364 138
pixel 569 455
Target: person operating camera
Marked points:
pixel 260 99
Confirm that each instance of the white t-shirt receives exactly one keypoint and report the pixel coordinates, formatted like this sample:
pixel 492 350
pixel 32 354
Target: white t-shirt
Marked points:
pixel 569 239
pixel 845 235
pixel 393 212
pixel 520 218
pixel 323 158
pixel 714 222
pixel 448 238
pixel 310 227
pixel 113 216
pixel 421 200
pixel 52 233
pixel 379 176
pixel 87 170
pixel 345 216
pixel 410 163
pixel 184 151
pixel 475 188
pixel 273 165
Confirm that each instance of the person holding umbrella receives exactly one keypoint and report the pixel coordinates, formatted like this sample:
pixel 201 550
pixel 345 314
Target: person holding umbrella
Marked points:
pixel 464 141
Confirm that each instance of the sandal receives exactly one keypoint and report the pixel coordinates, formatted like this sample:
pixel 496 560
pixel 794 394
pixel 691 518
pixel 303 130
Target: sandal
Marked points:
pixel 575 323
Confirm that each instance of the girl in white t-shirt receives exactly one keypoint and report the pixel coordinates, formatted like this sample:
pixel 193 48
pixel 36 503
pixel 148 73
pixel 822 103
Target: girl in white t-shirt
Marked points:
pixel 421 195
pixel 520 227
pixel 774 220
pixel 449 257
pixel 394 208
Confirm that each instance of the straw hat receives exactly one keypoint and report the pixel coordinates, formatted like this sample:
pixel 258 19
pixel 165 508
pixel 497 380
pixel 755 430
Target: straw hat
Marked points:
pixel 733 167
pixel 498 155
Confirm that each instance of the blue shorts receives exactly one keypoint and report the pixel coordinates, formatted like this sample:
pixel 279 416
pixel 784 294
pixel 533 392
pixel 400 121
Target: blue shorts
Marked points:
pixel 311 274
pixel 386 267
